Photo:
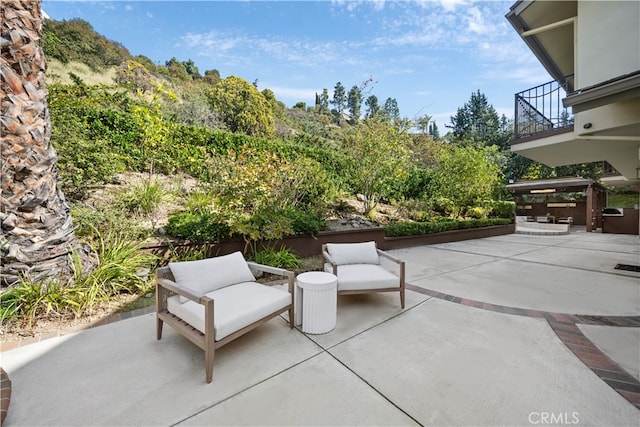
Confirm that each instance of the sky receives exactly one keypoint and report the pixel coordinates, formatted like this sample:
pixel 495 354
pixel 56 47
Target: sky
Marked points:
pixel 429 55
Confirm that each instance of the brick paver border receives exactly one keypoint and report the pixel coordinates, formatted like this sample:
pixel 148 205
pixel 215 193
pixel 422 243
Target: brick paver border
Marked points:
pixel 566 328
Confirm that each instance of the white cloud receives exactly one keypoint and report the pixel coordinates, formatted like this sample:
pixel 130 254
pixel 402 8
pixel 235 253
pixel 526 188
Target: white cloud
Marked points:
pixel 450 5
pixel 418 32
pixel 476 23
pixel 236 48
pixel 128 8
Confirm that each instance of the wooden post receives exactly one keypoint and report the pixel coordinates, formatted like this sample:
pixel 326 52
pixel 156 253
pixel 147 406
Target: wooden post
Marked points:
pixel 591 207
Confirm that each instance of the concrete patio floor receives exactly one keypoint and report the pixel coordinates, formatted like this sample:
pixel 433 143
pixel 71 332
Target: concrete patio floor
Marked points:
pixel 509 330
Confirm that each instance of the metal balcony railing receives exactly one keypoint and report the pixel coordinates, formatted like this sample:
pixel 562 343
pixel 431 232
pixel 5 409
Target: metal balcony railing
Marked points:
pixel 539 110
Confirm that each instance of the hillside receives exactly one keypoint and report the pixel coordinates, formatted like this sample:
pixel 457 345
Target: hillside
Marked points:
pixel 74 47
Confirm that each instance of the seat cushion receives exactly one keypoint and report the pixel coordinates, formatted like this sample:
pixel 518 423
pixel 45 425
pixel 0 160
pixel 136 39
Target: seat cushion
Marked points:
pixel 364 276
pixel 353 253
pixel 209 274
pixel 235 307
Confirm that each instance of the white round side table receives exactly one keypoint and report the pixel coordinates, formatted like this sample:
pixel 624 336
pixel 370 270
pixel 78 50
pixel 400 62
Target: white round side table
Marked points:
pixel 317 294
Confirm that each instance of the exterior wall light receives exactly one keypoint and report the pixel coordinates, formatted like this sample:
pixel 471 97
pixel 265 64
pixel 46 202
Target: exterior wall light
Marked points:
pixel 546 190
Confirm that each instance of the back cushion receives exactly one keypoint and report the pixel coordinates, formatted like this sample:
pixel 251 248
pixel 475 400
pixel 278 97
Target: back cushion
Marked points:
pixel 353 253
pixel 209 274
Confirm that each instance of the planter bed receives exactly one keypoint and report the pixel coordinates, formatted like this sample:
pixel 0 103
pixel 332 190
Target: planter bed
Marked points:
pixel 308 246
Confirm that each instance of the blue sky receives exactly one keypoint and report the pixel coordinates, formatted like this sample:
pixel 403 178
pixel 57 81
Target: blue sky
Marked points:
pixel 428 55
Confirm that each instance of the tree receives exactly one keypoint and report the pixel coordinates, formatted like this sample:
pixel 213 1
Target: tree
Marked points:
pixel 467 175
pixel 380 153
pixel 276 107
pixel 391 110
pixel 354 102
pixel 373 109
pixel 433 130
pixel 476 121
pixel 37 234
pixel 177 70
pixel 191 69
pixel 212 76
pixel 323 102
pixel 242 108
pixel 339 100
pixel 403 124
pixel 423 123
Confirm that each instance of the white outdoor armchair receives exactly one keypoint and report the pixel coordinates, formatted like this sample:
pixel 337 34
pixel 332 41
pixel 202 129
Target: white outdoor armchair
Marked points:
pixel 358 268
pixel 216 300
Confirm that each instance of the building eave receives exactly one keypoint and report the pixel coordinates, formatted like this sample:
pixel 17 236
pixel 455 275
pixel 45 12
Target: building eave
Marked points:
pixel 618 89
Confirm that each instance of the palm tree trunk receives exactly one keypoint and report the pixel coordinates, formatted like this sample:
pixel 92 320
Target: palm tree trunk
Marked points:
pixel 37 235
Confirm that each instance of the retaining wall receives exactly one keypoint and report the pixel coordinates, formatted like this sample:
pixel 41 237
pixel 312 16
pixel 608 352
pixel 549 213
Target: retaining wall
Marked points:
pixel 307 246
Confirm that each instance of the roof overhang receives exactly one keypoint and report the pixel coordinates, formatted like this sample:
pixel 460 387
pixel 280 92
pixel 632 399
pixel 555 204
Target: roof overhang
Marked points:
pixel 556 185
pixel 547 29
pixel 615 90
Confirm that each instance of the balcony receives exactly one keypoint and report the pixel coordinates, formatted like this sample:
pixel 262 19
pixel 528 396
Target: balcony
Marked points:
pixel 539 112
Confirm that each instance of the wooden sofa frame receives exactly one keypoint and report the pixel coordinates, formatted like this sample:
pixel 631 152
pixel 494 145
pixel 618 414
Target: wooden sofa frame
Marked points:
pixel 166 286
pixel 401 264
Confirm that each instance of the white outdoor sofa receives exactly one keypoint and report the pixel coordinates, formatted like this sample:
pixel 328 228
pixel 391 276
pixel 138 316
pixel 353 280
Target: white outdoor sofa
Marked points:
pixel 216 300
pixel 358 268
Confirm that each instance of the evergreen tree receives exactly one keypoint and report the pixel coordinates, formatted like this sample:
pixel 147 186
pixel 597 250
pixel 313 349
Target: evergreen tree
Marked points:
pixel 354 102
pixel 191 69
pixel 433 130
pixel 391 110
pixel 323 102
pixel 478 122
pixel 339 100
pixel 373 108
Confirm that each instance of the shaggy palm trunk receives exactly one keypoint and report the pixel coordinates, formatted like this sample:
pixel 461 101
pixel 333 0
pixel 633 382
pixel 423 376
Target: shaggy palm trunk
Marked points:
pixel 37 235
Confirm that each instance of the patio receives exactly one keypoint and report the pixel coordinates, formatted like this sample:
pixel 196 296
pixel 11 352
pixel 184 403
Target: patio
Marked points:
pixel 507 330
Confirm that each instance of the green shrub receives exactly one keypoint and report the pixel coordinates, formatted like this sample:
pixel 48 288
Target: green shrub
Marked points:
pixel 199 203
pixel 189 253
pixel 91 222
pixel 406 228
pixel 144 198
pixel 476 212
pixel 122 268
pixel 502 209
pixel 444 206
pixel 32 299
pixel 304 222
pixel 197 227
pixel 283 258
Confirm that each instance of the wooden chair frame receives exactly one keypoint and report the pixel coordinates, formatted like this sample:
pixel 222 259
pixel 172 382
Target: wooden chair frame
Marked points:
pixel 166 286
pixel 401 266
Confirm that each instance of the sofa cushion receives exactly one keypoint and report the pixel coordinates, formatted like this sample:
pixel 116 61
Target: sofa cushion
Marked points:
pixel 209 274
pixel 353 253
pixel 364 276
pixel 235 307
